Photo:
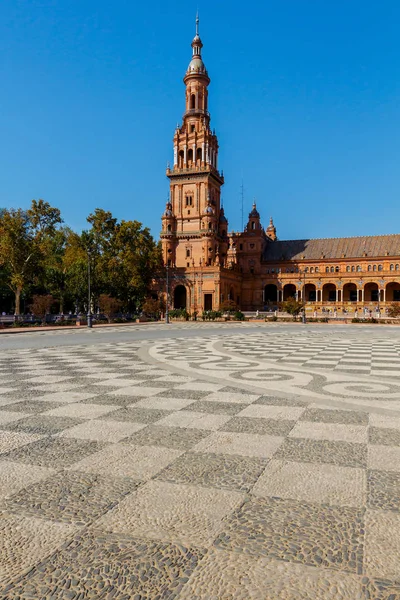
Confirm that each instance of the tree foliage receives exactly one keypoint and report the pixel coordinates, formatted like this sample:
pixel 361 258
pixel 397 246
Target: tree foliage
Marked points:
pixel 39 255
pixel 292 307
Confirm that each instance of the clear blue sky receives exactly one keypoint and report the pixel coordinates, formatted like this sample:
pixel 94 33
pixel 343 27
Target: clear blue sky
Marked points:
pixel 304 96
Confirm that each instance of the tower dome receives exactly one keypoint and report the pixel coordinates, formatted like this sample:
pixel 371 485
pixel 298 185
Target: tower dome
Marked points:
pixel 254 214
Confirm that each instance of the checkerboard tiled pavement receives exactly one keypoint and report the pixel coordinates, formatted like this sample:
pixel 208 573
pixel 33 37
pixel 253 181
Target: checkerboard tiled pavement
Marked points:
pixel 122 480
pixel 375 356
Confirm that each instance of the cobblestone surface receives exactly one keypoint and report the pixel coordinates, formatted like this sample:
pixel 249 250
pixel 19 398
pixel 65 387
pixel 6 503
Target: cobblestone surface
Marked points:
pixel 298 532
pixel 231 472
pixel 179 468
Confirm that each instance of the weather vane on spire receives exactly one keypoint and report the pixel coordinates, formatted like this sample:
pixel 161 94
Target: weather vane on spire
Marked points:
pixel 197 22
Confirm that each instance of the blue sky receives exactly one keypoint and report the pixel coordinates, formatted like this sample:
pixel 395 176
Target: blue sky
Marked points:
pixel 304 97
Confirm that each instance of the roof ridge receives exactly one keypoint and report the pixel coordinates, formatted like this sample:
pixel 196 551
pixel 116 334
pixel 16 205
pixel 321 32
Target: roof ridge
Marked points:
pixel 346 237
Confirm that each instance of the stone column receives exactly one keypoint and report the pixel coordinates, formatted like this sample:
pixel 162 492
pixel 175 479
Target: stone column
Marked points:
pixel 175 155
pixel 185 155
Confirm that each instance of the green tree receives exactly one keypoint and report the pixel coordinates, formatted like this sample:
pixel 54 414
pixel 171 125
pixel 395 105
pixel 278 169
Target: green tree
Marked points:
pixel 19 253
pixel 292 307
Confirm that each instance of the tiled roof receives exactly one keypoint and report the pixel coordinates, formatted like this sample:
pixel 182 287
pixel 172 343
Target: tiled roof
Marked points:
pixel 372 246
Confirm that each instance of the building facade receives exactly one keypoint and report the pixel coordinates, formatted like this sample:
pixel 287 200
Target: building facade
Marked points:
pixel 208 266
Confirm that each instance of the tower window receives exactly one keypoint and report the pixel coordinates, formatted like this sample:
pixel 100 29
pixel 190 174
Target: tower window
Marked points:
pixel 169 227
pixel 240 246
pixel 187 252
pixel 192 101
pixel 253 225
pixel 192 128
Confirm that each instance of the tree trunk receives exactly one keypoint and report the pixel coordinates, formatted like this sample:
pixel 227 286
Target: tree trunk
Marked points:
pixel 61 305
pixel 17 301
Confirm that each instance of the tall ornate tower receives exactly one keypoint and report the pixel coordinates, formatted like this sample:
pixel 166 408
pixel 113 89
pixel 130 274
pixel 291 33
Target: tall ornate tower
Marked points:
pixel 194 229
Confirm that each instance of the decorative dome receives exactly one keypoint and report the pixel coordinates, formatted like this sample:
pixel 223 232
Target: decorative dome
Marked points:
pixel 196 65
pixel 208 210
pixel 222 217
pixel 254 212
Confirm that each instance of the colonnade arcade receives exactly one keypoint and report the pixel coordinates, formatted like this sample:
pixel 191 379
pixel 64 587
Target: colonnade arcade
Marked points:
pixel 333 292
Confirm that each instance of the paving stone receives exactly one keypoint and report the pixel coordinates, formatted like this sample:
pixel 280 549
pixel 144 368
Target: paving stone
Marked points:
pixel 70 497
pixel 319 483
pixel 330 431
pixel 346 417
pixel 223 575
pixel 241 444
pixel 137 415
pixel 345 454
pixel 259 426
pixel 384 490
pixel 15 476
pixel 274 401
pixel 328 536
pixel 12 439
pixel 269 411
pixel 125 568
pixel 31 406
pixel 193 514
pixel 214 408
pixel 382 545
pixel 381 589
pixel 42 424
pixel 126 460
pixel 24 542
pixel 384 458
pixel 102 431
pixel 53 452
pixel 384 437
pixel 170 437
pixel 221 471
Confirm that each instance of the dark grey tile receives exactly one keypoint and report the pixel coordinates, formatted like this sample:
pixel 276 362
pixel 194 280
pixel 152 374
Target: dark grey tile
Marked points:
pixel 346 417
pixel 381 589
pixel 54 452
pixel 215 408
pixel 32 406
pixel 175 393
pixel 216 470
pixel 273 401
pixel 383 490
pixel 179 438
pixel 110 566
pixel 71 497
pixel 42 424
pixel 259 426
pixel 384 437
pixel 345 454
pixel 137 415
pixel 328 536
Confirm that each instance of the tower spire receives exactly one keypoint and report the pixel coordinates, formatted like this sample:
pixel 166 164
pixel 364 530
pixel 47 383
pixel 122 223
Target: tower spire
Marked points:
pixel 197 23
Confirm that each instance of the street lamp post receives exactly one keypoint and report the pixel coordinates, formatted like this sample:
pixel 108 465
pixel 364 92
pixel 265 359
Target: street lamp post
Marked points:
pixel 303 297
pixel 89 312
pixel 167 296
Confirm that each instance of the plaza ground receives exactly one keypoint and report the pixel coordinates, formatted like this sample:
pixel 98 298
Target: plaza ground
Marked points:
pixel 201 461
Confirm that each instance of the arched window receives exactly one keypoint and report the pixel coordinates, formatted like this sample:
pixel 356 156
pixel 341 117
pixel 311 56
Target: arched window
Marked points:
pixel 181 157
pixel 198 155
pixel 336 269
pixel 190 156
pixel 358 268
pixel 397 267
pixel 253 225
pixel 353 268
pixel 316 270
pixel 348 269
pixel 326 269
pixel 192 101
pixel 306 270
pixel 209 226
pixel 369 267
pixel 380 267
pixel 392 267
pixel 332 269
pixel 169 227
pixel 312 270
pixel 374 267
